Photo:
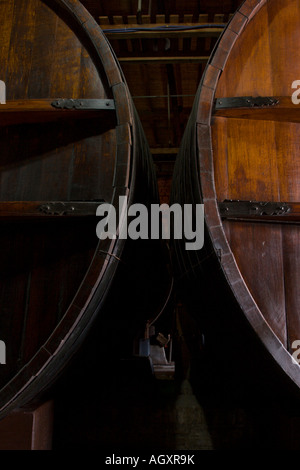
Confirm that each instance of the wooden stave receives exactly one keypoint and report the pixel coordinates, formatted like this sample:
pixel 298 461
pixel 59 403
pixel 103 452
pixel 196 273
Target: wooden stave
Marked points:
pixel 216 261
pixel 50 360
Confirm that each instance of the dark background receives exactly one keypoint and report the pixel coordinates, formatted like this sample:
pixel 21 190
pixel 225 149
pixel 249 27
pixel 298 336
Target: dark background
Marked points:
pixel 226 394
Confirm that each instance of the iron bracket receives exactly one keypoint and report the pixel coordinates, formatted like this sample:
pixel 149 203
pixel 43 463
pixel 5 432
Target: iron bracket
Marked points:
pixel 75 208
pixel 84 104
pixel 236 208
pixel 245 102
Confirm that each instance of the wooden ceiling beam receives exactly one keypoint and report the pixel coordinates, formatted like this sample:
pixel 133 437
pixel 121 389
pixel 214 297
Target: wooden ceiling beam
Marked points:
pixel 164 60
pixel 150 31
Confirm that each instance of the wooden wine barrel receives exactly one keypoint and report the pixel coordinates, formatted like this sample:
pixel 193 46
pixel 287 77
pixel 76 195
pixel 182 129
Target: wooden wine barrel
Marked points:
pixel 70 141
pixel 240 158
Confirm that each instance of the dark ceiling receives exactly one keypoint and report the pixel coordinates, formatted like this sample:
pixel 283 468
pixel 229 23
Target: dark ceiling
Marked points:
pixel 163 68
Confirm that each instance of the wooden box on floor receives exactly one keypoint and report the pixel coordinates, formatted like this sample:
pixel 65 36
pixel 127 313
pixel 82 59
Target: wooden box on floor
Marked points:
pixel 28 429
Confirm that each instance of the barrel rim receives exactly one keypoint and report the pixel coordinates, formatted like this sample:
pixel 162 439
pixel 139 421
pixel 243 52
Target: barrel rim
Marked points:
pixel 73 327
pixel 206 94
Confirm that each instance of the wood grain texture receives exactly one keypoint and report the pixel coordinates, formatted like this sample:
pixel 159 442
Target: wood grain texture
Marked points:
pixel 259 160
pixel 55 277
pixel 253 156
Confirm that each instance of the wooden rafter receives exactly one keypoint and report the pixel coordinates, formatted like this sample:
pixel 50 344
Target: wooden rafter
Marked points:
pixel 165 59
pixel 133 31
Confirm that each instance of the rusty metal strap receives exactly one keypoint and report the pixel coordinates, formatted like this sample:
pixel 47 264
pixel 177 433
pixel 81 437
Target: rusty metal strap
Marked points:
pixel 84 104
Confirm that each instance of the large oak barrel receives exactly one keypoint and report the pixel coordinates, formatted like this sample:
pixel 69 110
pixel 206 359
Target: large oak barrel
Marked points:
pixel 70 141
pixel 240 158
